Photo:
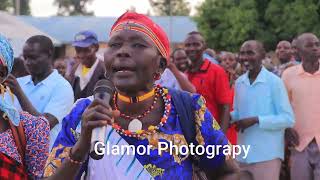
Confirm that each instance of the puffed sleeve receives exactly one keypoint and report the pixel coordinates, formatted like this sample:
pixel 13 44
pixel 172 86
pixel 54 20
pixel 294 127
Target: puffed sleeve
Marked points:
pixel 209 135
pixel 37 132
pixel 66 139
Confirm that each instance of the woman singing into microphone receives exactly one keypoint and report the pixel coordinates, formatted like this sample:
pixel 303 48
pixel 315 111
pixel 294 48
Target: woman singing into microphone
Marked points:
pixel 140 114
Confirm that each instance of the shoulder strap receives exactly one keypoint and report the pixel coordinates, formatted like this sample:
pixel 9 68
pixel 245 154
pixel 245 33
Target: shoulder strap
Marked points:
pixel 183 105
pixel 19 138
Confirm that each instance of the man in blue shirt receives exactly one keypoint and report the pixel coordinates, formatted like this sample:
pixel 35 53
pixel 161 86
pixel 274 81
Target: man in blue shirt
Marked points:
pixel 261 113
pixel 45 92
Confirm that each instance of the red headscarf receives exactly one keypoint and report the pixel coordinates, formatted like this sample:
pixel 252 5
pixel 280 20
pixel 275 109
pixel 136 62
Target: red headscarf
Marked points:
pixel 141 23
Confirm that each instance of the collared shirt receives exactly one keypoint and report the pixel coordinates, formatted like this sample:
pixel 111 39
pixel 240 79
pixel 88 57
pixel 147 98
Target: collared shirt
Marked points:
pixel 211 81
pixel 53 95
pixel 304 94
pixel 267 99
pixel 168 80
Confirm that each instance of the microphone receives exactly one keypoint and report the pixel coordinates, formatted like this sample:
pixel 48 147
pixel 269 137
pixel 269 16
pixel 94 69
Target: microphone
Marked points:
pixel 104 90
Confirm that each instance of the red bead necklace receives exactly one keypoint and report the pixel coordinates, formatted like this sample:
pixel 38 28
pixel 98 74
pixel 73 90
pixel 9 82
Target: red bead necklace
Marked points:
pixel 146 112
pixel 151 129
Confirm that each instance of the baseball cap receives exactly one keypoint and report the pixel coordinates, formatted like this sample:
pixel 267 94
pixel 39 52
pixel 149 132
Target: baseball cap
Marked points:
pixel 85 39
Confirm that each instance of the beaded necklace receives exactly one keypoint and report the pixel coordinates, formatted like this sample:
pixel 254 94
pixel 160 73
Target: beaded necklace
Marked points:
pixel 151 129
pixel 146 112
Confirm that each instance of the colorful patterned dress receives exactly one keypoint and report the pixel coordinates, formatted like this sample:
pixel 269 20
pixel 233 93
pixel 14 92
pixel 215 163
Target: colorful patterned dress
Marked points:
pixel 37 132
pixel 164 166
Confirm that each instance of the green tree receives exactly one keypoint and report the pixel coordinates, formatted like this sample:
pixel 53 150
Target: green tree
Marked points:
pixel 288 19
pixel 177 7
pixel 5 4
pixel 24 7
pixel 226 24
pixel 73 7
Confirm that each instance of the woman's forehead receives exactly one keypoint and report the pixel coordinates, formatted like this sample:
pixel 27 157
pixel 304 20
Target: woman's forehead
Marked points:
pixel 130 35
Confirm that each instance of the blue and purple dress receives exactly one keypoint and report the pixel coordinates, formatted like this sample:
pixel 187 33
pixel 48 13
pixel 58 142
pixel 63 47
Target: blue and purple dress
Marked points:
pixel 160 166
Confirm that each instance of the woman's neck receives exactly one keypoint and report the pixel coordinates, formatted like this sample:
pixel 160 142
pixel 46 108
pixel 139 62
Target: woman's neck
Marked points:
pixel 135 108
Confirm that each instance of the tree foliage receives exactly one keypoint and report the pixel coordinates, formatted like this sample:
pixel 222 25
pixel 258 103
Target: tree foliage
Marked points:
pixel 177 7
pixel 73 7
pixel 226 24
pixel 24 7
pixel 5 5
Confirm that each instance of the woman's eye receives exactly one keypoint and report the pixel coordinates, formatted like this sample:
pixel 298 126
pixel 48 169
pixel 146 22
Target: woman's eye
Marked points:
pixel 114 45
pixel 138 45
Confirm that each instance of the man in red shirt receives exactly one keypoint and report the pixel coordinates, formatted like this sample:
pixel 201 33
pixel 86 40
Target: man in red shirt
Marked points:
pixel 210 80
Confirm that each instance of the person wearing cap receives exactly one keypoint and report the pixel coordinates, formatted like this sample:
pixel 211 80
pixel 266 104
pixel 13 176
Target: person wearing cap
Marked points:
pixel 90 67
pixel 140 114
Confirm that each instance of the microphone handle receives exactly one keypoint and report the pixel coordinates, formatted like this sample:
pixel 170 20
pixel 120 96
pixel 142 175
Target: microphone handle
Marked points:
pixel 98 135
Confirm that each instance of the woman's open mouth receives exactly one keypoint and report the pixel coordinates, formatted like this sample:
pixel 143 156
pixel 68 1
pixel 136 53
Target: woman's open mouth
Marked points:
pixel 123 71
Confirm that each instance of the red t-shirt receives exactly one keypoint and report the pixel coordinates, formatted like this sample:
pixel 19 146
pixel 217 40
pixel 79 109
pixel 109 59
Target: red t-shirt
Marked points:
pixel 211 81
pixel 231 132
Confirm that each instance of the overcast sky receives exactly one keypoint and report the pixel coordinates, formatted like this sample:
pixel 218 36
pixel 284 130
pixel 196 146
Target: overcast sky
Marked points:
pixel 100 7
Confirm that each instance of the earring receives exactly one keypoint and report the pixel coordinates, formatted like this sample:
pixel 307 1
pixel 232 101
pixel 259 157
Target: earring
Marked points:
pixel 157 76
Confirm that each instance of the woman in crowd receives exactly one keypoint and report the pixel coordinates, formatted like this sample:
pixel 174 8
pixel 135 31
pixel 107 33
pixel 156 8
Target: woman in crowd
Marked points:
pixel 24 139
pixel 140 114
pixel 230 64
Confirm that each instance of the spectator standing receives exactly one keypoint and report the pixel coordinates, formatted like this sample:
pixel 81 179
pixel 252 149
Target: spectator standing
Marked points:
pixel 44 92
pixel 285 55
pixel 210 80
pixel 89 68
pixel 261 113
pixel 303 86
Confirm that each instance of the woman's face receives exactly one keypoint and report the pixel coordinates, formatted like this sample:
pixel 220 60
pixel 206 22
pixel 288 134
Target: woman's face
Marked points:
pixel 132 61
pixel 228 62
pixel 3 72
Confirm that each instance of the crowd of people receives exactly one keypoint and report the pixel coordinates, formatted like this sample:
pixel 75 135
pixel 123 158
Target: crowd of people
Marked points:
pixel 190 94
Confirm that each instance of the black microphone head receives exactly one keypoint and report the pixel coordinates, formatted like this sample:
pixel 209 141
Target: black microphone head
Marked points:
pixel 103 86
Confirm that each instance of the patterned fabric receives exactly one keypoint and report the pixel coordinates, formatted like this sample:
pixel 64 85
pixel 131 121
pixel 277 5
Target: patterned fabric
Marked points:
pixel 6 53
pixel 10 169
pixel 37 135
pixel 164 166
pixel 278 70
pixel 6 59
pixel 141 23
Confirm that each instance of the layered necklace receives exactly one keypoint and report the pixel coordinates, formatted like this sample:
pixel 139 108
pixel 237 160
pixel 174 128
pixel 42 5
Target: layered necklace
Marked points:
pixel 135 124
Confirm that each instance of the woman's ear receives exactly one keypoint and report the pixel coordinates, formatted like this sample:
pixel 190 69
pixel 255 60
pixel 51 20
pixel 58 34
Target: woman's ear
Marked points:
pixel 162 64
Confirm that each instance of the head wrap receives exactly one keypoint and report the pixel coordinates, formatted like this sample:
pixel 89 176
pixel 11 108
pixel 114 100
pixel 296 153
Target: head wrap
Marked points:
pixel 141 23
pixel 6 53
pixel 7 59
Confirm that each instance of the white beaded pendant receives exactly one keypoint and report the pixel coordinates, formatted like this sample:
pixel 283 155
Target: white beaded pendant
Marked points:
pixel 135 125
